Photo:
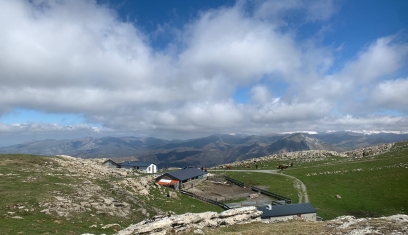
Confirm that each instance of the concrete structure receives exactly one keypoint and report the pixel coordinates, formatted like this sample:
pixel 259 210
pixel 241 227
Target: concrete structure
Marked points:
pixel 146 167
pixel 288 211
pixel 110 163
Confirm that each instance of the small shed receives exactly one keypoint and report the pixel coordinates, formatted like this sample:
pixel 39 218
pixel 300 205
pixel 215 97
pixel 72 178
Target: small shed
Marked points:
pixel 110 163
pixel 182 178
pixel 147 167
pixel 288 211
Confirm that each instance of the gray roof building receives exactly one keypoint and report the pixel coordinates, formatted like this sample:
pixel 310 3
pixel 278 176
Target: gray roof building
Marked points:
pixel 110 163
pixel 135 164
pixel 185 174
pixel 286 210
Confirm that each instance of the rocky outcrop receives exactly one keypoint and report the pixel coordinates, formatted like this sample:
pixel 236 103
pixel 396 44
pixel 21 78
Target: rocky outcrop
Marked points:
pixel 369 151
pixel 193 221
pixel 89 196
pixel 395 224
pixel 314 155
pixel 93 168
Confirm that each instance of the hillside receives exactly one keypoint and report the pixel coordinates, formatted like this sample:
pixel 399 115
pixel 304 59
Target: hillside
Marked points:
pixel 65 195
pixel 300 142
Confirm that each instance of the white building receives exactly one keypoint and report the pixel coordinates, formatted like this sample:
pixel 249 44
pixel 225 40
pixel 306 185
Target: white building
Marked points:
pixel 146 167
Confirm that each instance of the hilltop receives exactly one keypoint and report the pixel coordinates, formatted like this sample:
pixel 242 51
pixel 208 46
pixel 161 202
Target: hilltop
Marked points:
pixel 61 195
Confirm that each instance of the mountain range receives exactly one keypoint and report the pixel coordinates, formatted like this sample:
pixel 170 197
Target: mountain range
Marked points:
pixel 208 151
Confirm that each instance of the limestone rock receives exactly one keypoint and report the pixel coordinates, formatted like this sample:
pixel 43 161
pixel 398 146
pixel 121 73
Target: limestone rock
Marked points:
pixel 190 221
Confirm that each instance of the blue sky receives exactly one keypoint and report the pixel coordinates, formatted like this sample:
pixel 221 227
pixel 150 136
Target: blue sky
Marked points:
pixel 183 69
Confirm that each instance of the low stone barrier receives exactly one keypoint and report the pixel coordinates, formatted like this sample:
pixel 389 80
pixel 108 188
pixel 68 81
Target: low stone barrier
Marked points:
pixel 190 221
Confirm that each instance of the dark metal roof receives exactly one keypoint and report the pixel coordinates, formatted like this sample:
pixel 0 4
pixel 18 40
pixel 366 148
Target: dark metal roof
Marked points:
pixel 286 210
pixel 110 160
pixel 186 174
pixel 135 164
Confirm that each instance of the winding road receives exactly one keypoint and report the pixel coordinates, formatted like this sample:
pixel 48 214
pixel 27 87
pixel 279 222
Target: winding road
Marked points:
pixel 299 185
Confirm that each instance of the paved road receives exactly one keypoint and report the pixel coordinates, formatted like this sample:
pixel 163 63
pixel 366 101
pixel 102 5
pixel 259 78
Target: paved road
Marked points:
pixel 299 185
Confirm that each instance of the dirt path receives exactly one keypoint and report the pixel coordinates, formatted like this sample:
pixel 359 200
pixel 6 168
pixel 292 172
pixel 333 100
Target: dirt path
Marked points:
pixel 299 185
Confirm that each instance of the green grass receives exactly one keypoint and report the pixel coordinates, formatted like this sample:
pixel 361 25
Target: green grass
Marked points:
pixel 25 183
pixel 181 205
pixel 374 186
pixel 28 181
pixel 274 183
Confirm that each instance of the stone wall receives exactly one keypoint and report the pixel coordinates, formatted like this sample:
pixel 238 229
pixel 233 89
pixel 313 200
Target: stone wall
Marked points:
pixel 193 183
pixel 191 221
pixel 310 217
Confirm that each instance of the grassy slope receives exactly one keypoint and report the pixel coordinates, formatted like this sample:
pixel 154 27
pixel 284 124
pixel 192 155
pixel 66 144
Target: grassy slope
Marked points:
pixel 373 186
pixel 379 188
pixel 25 183
pixel 278 184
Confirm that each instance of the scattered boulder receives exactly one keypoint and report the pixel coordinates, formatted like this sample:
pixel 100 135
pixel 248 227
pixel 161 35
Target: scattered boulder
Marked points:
pixel 193 221
pixel 110 226
pixel 172 194
pixel 314 155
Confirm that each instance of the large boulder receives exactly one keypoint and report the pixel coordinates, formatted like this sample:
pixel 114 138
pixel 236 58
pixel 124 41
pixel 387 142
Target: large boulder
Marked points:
pixel 193 221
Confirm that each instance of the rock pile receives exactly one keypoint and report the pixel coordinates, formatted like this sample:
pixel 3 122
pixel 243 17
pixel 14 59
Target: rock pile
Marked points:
pixel 88 197
pixel 395 224
pixel 139 185
pixel 93 168
pixel 315 155
pixel 369 151
pixel 160 225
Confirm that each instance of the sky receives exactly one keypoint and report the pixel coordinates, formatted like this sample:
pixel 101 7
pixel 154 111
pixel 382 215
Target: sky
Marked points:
pixel 187 69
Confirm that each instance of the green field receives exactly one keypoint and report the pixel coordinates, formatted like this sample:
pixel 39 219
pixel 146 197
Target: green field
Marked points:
pixel 28 181
pixel 371 186
pixel 278 184
pixel 374 186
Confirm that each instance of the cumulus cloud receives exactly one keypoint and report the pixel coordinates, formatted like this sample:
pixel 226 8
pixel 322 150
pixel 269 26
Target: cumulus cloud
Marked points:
pixel 383 57
pixel 391 94
pixel 79 57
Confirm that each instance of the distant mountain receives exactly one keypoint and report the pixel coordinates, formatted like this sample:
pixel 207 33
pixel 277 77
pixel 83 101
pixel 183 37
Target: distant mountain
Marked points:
pixel 300 142
pixel 88 147
pixel 352 140
pixel 207 151
pixel 220 149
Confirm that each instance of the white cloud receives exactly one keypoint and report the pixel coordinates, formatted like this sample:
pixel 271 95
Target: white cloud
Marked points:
pixel 281 112
pixel 391 94
pixel 78 57
pixel 261 94
pixel 381 58
pixel 226 42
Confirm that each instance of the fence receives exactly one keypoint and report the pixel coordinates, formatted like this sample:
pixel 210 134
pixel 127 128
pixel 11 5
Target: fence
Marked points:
pixel 285 199
pixel 256 203
pixel 273 195
pixel 234 181
pixel 204 199
pixel 190 184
